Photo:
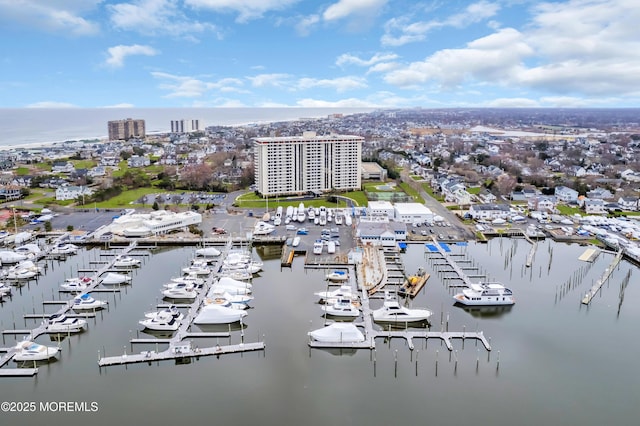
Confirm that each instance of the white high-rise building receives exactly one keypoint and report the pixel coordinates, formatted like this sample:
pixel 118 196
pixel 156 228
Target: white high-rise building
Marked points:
pixel 185 126
pixel 307 163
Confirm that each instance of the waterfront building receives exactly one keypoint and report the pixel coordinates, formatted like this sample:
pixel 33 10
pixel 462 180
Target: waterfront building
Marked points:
pixel 489 211
pixel 381 208
pixel 126 129
pixel 412 213
pixel 153 223
pixel 381 232
pixel 185 126
pixel 307 164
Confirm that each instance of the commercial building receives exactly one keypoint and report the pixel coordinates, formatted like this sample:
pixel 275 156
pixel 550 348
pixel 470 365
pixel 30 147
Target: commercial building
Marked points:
pixel 185 126
pixel 126 129
pixel 307 164
pixel 412 213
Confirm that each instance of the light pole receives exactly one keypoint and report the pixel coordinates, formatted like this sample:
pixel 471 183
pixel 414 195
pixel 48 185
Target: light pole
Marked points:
pixel 15 222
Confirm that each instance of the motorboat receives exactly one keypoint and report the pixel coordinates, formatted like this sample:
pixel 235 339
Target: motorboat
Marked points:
pixel 263 228
pixel 208 252
pixel 161 322
pixel 343 292
pixel 28 249
pixel 317 247
pixel 60 323
pixel 76 284
pixel 217 314
pixel 85 302
pixel 342 308
pixel 331 247
pixel 172 310
pixel 197 267
pixel 392 311
pixel 338 332
pixel 485 294
pixel 63 249
pixel 125 261
pixel 181 291
pixel 24 270
pixel 187 279
pixel 233 284
pixel 113 278
pixel 8 256
pixel 238 301
pixel 31 351
pixel 337 276
pixel 4 289
pixel 295 242
pixel 236 274
pixel 253 267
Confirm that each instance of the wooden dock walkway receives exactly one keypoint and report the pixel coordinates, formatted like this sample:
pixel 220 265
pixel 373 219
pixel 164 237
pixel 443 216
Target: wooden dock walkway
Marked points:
pixel 178 347
pixel 32 334
pixel 605 276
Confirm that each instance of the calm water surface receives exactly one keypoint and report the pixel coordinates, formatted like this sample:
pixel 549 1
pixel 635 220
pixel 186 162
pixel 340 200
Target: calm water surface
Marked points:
pixel 553 361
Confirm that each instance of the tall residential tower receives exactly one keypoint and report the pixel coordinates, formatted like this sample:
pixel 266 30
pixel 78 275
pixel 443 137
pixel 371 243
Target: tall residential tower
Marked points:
pixel 307 163
pixel 126 129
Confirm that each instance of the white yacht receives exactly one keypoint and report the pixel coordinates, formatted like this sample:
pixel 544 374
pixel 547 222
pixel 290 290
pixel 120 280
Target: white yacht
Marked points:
pixel 197 267
pixel 28 249
pixel 85 302
pixel 263 228
pixel 238 301
pixel 317 247
pixel 338 332
pixel 485 294
pixel 4 289
pixel 347 220
pixel 180 291
pixel 342 308
pixel 76 284
pixel 393 312
pixel 64 248
pixel 302 216
pixel 31 351
pixel 331 247
pixel 187 279
pixel 24 270
pixel 161 322
pixel 8 256
pixel 172 311
pixel 343 292
pixel 337 276
pixel 217 314
pixel 124 261
pixel 296 241
pixel 60 323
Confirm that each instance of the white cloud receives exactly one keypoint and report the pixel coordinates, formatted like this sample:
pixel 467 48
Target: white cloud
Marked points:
pixel 342 103
pixel 347 8
pixel 246 9
pixel 340 84
pixel 346 59
pixel 117 54
pixel 152 17
pixel 400 31
pixel 265 80
pixel 50 15
pixel 51 104
pixel 497 57
pixel 305 24
pixel 191 87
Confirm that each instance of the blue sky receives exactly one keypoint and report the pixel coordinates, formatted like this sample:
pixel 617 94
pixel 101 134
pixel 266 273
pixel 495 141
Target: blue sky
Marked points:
pixel 315 53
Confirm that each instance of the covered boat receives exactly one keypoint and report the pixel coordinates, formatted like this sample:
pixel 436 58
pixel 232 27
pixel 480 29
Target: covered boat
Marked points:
pixel 337 276
pixel 208 252
pixel 217 314
pixel 113 278
pixel 338 332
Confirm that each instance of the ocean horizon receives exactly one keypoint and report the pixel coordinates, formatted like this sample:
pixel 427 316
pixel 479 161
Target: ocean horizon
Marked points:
pixel 25 127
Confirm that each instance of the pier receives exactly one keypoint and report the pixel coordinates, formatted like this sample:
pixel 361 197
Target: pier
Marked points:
pixel 605 276
pixel 436 247
pixel 32 334
pixel 179 348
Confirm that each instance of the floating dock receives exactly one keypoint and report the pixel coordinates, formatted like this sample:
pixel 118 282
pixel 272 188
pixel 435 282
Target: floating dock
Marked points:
pixel 605 276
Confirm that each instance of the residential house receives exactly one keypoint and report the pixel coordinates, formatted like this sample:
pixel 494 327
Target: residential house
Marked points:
pixel 68 192
pixel 489 211
pixel 138 161
pixel 97 171
pixel 62 167
pixel 629 203
pixel 594 206
pixel 600 194
pixel 566 194
pixel 10 192
pixel 542 203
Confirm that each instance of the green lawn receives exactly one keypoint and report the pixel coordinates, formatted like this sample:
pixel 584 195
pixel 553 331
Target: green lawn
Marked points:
pixel 569 211
pixel 44 166
pixel 251 200
pixel 22 171
pixel 412 192
pixel 122 169
pixel 130 196
pixel 475 190
pixel 84 164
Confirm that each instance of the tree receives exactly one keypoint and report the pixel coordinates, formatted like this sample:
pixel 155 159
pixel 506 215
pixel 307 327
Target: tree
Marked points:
pixel 155 205
pixel 47 226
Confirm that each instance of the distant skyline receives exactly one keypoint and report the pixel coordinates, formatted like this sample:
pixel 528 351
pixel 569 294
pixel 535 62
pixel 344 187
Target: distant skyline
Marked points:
pixel 304 53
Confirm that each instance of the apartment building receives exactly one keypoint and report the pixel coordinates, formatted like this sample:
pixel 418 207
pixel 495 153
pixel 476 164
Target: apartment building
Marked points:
pixel 185 126
pixel 307 164
pixel 126 129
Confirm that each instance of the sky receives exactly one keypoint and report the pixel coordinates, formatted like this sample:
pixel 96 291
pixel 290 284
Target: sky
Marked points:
pixel 317 53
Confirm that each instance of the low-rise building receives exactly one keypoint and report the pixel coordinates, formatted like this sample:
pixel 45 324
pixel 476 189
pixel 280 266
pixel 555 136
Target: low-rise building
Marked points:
pixel 412 213
pixel 489 211
pixel 69 192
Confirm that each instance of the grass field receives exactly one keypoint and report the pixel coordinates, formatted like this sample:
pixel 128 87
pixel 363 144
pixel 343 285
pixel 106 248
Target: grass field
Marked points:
pixel 131 196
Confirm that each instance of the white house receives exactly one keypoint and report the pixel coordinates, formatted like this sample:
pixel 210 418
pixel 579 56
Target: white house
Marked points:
pixel 629 203
pixel 62 167
pixel 542 203
pixel 489 211
pixel 594 206
pixel 566 194
pixel 138 161
pixel 381 208
pixel 381 233
pixel 72 192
